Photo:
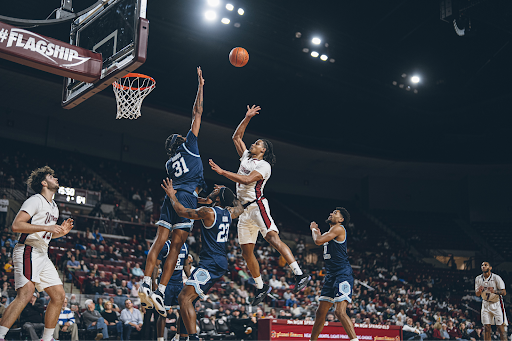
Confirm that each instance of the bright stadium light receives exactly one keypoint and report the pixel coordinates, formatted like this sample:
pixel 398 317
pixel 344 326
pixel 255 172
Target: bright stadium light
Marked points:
pixel 214 3
pixel 225 21
pixel 324 57
pixel 230 7
pixel 314 54
pixel 210 15
pixel 241 11
pixel 316 41
pixel 415 79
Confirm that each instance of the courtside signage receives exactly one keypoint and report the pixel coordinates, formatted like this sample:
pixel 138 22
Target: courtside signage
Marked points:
pixel 48 54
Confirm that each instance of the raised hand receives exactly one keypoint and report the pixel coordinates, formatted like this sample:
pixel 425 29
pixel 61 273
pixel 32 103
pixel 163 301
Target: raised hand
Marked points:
pixel 200 78
pixel 314 226
pixel 215 167
pixel 67 225
pixel 252 111
pixel 167 186
pixel 55 229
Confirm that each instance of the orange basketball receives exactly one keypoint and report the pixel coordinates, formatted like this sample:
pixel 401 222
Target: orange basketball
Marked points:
pixel 238 56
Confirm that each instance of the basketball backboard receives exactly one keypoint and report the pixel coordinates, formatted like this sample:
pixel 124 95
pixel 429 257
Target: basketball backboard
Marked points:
pixel 118 29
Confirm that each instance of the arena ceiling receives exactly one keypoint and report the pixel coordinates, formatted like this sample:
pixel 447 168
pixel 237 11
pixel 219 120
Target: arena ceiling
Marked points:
pixel 460 113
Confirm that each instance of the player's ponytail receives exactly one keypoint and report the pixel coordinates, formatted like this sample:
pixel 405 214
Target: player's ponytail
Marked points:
pixel 269 152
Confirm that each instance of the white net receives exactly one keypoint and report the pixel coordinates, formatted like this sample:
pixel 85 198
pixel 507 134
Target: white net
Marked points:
pixel 130 91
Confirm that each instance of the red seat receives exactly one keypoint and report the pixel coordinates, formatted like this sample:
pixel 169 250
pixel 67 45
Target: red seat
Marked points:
pixel 109 290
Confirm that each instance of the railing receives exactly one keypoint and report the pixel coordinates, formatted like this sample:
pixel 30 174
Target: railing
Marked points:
pixel 115 226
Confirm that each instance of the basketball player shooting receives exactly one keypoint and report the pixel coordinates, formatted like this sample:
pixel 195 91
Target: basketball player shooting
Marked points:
pixel 36 221
pixel 491 288
pixel 339 279
pixel 254 171
pixel 185 169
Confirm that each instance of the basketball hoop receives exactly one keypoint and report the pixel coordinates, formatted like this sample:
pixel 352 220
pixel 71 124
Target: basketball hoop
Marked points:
pixel 130 91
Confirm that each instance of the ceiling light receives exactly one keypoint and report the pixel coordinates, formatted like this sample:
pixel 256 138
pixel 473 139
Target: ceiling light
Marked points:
pixel 214 3
pixel 332 60
pixel 230 7
pixel 225 21
pixel 237 24
pixel 314 54
pixel 316 41
pixel 210 15
pixel 324 57
pixel 241 11
pixel 305 50
pixel 395 83
pixel 298 34
pixel 415 79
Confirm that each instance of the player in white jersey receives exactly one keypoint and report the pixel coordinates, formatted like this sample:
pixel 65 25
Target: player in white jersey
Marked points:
pixel 254 171
pixel 491 288
pixel 36 221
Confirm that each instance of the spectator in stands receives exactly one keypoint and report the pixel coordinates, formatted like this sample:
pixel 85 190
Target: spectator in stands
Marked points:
pixel 124 287
pixel 8 267
pixel 120 298
pixel 72 266
pixel 131 318
pixel 444 332
pixel 134 292
pixel 99 305
pixel 131 283
pixel 127 269
pixel 244 276
pixel 242 292
pixel 110 254
pixel 88 234
pixel 148 208
pixel 283 284
pixel 274 283
pixel 453 331
pixel 464 332
pixel 300 248
pixel 67 323
pixel 476 334
pixel 94 321
pixel 112 320
pixel 98 238
pixel 410 332
pixel 97 288
pixel 32 318
pixel 3 305
pixel 66 213
pixel 115 307
pixel 291 301
pixel 91 252
pixel 101 253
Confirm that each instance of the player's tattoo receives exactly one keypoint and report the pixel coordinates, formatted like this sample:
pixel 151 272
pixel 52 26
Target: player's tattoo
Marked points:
pixel 197 214
pixel 237 209
pixel 201 104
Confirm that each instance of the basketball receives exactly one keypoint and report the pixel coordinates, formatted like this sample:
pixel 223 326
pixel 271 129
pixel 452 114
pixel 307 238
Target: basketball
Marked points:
pixel 238 57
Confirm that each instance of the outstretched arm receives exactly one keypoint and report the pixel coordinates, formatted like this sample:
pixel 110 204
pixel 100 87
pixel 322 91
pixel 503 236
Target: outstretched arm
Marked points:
pixel 197 111
pixel 241 179
pixel 240 130
pixel 237 209
pixel 205 213
pixel 21 225
pixel 319 238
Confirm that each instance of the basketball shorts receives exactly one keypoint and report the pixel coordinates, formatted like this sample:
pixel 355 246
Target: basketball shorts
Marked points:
pixel 32 264
pixel 337 288
pixel 255 218
pixel 204 276
pixel 493 313
pixel 168 217
pixel 172 290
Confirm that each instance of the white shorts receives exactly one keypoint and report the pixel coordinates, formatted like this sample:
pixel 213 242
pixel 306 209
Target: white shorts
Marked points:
pixel 32 264
pixel 494 313
pixel 256 217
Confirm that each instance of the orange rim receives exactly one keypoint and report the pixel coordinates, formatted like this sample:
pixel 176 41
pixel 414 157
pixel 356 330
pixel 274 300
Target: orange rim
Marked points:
pixel 134 75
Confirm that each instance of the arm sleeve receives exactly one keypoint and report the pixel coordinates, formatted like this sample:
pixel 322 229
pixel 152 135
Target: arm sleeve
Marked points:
pixel 244 155
pixel 31 205
pixel 264 169
pixel 191 143
pixel 124 317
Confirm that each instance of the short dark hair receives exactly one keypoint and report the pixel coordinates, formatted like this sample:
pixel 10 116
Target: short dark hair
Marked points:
pixel 37 176
pixel 345 214
pixel 227 197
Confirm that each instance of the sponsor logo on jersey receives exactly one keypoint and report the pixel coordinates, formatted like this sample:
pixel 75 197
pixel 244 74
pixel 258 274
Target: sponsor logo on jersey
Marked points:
pixel 244 171
pixel 50 218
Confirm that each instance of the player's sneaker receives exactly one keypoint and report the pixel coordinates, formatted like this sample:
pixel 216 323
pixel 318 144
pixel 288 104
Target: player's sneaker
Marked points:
pixel 301 281
pixel 261 294
pixel 158 300
pixel 144 295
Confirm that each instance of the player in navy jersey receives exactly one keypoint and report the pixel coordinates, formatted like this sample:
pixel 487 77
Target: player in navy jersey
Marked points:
pixel 213 262
pixel 185 168
pixel 339 279
pixel 173 288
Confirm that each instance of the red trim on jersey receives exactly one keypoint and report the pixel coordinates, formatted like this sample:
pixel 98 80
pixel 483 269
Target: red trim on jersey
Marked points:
pixel 27 262
pixel 257 188
pixel 264 214
pixel 23 237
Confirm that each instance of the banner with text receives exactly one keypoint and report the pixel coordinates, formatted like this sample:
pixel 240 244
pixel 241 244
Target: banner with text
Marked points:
pixel 273 329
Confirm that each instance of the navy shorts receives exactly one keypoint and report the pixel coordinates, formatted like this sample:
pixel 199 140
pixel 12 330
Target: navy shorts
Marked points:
pixel 337 288
pixel 204 276
pixel 168 217
pixel 172 290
